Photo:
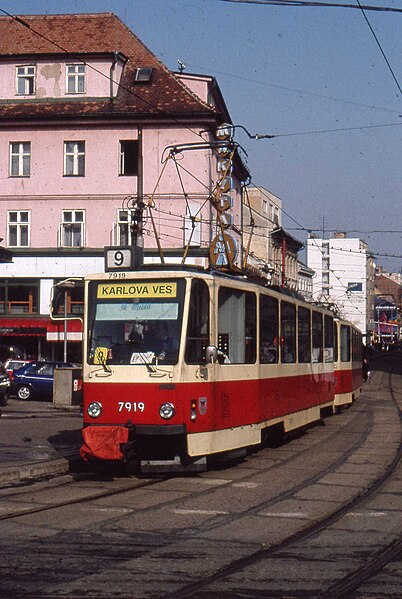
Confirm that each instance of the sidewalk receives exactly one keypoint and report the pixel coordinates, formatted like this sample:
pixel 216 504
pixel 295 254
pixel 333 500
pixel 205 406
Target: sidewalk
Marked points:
pixel 37 439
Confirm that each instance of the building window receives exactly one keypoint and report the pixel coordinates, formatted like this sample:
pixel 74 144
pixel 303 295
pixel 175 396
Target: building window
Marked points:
pixel 74 158
pixel 128 164
pixel 75 78
pixel 18 228
pixel 19 296
pixel 192 224
pixel 143 75
pixel 122 228
pixel 20 159
pixel 72 229
pixel 265 206
pixel 26 80
pixel 276 215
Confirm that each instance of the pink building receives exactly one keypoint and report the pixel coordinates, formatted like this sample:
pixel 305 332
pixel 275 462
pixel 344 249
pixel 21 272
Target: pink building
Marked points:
pixel 92 127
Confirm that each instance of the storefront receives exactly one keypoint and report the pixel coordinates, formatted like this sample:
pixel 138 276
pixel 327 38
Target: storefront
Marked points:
pixel 40 338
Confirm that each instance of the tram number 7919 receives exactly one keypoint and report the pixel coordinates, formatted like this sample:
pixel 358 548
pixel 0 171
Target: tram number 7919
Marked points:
pixel 131 406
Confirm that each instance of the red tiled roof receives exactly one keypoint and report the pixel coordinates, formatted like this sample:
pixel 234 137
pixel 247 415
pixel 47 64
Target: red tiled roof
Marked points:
pixel 88 34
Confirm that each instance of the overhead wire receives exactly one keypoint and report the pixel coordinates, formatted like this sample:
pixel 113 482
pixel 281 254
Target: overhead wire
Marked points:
pixel 22 22
pixel 306 3
pixel 363 9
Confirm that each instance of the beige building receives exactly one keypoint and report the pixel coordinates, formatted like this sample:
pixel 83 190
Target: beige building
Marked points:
pixel 272 252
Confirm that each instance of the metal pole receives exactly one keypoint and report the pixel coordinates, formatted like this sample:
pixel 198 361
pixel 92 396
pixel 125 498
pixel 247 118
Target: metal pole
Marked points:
pixel 65 327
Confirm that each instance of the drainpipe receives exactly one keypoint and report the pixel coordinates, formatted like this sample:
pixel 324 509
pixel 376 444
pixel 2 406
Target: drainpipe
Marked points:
pixel 283 262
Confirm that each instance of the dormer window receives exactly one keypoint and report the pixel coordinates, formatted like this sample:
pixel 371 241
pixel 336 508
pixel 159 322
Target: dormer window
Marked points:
pixel 143 75
pixel 26 80
pixel 75 78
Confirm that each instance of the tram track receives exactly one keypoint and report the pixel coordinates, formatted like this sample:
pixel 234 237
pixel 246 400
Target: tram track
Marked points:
pixel 354 427
pixel 141 484
pixel 340 589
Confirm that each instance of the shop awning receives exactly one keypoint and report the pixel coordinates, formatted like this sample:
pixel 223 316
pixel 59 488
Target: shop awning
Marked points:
pixel 40 327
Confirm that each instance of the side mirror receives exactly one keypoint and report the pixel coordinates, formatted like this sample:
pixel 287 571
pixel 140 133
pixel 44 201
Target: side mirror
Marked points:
pixel 211 354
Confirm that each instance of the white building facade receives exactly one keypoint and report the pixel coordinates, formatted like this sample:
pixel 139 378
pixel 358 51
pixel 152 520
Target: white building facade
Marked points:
pixel 344 276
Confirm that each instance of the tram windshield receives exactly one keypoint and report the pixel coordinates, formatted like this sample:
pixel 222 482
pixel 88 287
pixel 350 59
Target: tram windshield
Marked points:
pixel 135 322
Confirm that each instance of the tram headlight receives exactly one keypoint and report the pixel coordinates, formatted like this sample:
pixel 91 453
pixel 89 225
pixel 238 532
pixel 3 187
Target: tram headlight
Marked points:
pixel 166 411
pixel 94 409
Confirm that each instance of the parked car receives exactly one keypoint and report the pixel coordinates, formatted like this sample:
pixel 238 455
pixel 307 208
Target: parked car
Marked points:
pixel 35 380
pixel 13 364
pixel 4 385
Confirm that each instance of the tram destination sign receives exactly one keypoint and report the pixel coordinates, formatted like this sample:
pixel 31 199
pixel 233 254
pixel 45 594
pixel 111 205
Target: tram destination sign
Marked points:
pixel 127 257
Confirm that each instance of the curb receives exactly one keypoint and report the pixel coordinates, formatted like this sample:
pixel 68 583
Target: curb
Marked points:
pixel 24 472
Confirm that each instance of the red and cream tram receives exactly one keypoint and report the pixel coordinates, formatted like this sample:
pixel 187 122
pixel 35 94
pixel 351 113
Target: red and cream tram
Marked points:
pixel 179 365
pixel 348 360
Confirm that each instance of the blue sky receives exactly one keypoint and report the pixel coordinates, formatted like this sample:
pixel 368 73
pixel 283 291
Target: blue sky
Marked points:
pixel 293 72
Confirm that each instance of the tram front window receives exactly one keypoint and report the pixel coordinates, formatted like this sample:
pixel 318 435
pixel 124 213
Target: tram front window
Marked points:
pixel 135 322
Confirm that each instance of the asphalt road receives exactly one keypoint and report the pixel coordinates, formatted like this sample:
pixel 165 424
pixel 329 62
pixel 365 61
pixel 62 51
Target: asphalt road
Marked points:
pixel 301 519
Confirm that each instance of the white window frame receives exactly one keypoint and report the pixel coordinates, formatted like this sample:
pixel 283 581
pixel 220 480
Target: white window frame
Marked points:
pixel 76 76
pixel 78 154
pixel 123 220
pixel 123 156
pixel 25 76
pixel 20 150
pixel 71 220
pixel 20 224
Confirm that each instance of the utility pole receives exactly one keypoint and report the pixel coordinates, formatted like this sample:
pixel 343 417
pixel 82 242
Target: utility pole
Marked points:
pixel 137 221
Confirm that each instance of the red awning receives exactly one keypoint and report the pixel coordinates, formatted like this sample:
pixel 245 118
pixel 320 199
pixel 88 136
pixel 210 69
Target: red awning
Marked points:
pixel 36 327
pixel 21 327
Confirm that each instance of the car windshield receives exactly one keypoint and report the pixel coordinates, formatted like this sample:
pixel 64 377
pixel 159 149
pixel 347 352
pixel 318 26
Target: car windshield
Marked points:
pixel 135 322
pixel 14 365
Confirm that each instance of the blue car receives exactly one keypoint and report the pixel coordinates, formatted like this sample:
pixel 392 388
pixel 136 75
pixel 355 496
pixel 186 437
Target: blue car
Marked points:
pixel 35 380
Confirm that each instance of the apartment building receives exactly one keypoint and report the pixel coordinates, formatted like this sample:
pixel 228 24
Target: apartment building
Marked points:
pixel 344 277
pixel 94 131
pixel 272 251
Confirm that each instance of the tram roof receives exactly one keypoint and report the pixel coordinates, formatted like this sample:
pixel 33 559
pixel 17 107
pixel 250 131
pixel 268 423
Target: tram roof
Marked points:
pixel 210 273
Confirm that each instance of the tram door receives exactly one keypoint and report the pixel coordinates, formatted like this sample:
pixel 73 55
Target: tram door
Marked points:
pixel 236 352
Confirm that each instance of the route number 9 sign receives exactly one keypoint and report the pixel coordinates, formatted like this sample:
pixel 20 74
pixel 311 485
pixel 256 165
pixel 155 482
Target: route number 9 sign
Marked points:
pixel 123 258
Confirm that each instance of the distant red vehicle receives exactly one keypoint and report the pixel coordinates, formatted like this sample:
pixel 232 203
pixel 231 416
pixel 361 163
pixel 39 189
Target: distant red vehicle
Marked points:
pixel 13 364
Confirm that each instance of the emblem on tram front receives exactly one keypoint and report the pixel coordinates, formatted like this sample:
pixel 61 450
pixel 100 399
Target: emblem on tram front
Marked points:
pixel 202 405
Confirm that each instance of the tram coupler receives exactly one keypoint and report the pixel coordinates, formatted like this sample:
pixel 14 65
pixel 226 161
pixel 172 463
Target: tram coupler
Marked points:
pixel 174 465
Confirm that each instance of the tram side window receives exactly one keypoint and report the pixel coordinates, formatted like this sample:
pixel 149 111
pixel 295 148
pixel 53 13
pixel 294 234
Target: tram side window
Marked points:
pixel 356 346
pixel 304 338
pixel 288 333
pixel 328 339
pixel 236 326
pixel 198 323
pixel 317 337
pixel 269 325
pixel 336 343
pixel 345 343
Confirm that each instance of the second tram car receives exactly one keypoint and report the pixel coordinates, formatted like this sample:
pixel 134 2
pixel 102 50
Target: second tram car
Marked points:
pixel 348 360
pixel 180 365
